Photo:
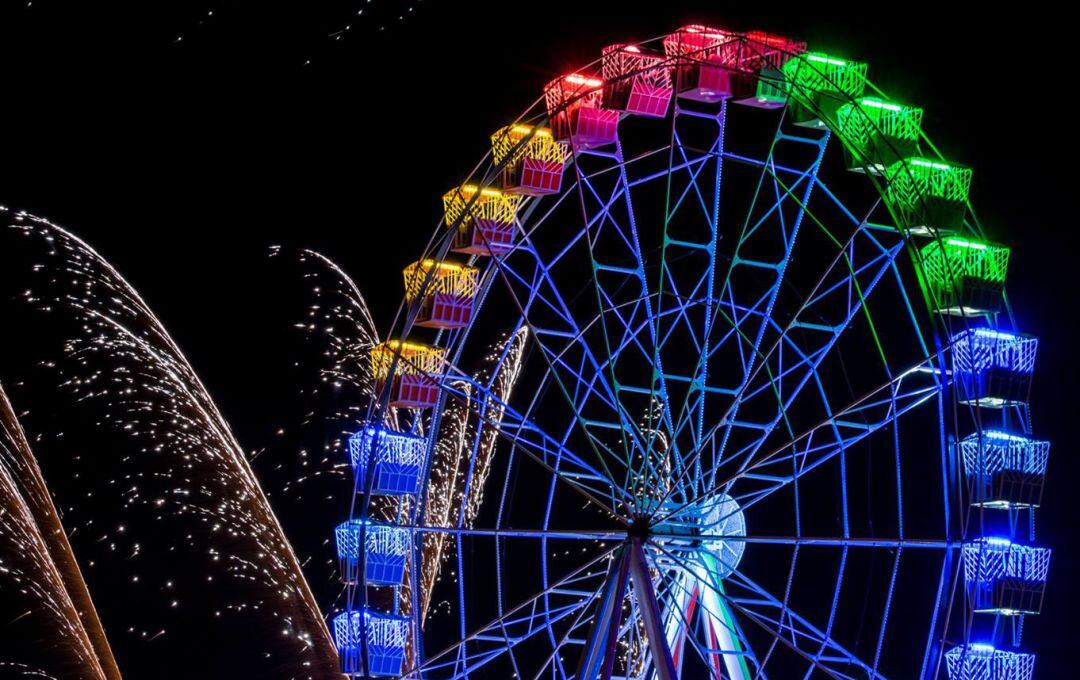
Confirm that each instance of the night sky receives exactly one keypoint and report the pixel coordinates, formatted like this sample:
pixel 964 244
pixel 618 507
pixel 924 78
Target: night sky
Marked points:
pixel 184 139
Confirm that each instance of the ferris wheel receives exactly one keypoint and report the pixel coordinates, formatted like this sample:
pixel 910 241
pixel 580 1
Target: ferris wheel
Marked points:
pixel 755 403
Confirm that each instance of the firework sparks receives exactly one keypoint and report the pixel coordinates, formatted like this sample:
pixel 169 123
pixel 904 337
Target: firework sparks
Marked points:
pixel 339 320
pixel 44 591
pixel 186 514
pixel 364 16
pixel 449 502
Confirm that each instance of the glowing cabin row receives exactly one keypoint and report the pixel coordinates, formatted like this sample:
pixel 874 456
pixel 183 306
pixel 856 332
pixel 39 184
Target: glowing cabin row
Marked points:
pixel 994 369
pixel 758 69
pixel 390 463
pixel 822 90
pixel 707 64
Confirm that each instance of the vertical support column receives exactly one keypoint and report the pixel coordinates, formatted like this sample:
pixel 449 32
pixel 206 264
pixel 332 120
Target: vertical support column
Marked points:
pixel 650 612
pixel 680 618
pixel 604 634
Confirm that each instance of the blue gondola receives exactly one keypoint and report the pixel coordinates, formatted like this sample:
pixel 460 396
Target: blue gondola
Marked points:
pixel 385 636
pixel 385 549
pixel 1005 578
pixel 397 459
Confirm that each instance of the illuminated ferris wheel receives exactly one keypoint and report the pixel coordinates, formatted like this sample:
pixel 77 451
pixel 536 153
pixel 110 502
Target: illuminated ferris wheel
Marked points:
pixel 755 405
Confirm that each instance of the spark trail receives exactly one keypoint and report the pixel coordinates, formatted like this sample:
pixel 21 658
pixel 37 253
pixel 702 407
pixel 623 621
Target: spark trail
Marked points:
pixel 45 597
pixel 179 545
pixel 339 321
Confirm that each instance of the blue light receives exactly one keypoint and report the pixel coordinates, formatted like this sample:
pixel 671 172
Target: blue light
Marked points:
pixel 993 368
pixel 384 634
pixel 1004 470
pixel 979 349
pixel 1005 577
pixel 385 550
pixel 981 661
pixel 397 458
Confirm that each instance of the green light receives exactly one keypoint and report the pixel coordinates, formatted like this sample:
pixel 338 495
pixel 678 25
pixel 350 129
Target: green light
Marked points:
pixel 875 103
pixel 931 164
pixel 871 117
pixel 913 181
pixel 821 58
pixel 961 243
pixel 815 73
pixel 947 263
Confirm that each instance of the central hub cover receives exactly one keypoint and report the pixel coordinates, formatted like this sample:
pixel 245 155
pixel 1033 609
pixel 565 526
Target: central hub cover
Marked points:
pixel 722 528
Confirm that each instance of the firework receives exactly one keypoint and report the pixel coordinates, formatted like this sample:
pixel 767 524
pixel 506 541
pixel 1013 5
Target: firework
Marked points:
pixel 162 505
pixel 45 594
pixel 450 501
pixel 338 321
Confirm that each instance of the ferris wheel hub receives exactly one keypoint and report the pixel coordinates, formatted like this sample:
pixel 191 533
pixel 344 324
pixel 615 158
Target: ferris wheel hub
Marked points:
pixel 640 528
pixel 714 528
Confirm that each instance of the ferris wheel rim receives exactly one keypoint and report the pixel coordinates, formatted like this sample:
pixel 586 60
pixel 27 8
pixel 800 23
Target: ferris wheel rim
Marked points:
pixel 936 330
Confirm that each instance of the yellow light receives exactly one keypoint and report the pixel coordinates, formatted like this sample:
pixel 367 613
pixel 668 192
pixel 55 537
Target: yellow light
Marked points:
pixel 415 358
pixel 445 266
pixel 526 129
pixel 430 277
pixel 486 191
pixel 406 346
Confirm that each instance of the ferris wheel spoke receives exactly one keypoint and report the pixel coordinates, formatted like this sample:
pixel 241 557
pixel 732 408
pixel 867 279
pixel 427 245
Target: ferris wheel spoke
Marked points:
pixel 783 384
pixel 766 214
pixel 583 385
pixel 744 304
pixel 761 216
pixel 542 448
pixel 843 429
pixel 623 303
pixel 580 384
pixel 534 616
pixel 725 649
pixel 871 413
pixel 824 332
pixel 856 280
pixel 803 369
pixel 740 605
pixel 534 534
pixel 795 630
pixel 693 254
pixel 783 624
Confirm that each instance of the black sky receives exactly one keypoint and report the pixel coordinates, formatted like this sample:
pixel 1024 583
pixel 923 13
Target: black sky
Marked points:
pixel 183 161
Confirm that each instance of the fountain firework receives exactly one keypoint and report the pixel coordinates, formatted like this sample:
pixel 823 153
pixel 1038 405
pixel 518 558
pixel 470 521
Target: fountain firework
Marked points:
pixel 339 322
pixel 52 629
pixel 175 536
pixel 160 498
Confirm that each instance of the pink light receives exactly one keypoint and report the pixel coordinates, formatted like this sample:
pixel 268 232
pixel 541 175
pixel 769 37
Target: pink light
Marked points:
pixel 577 79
